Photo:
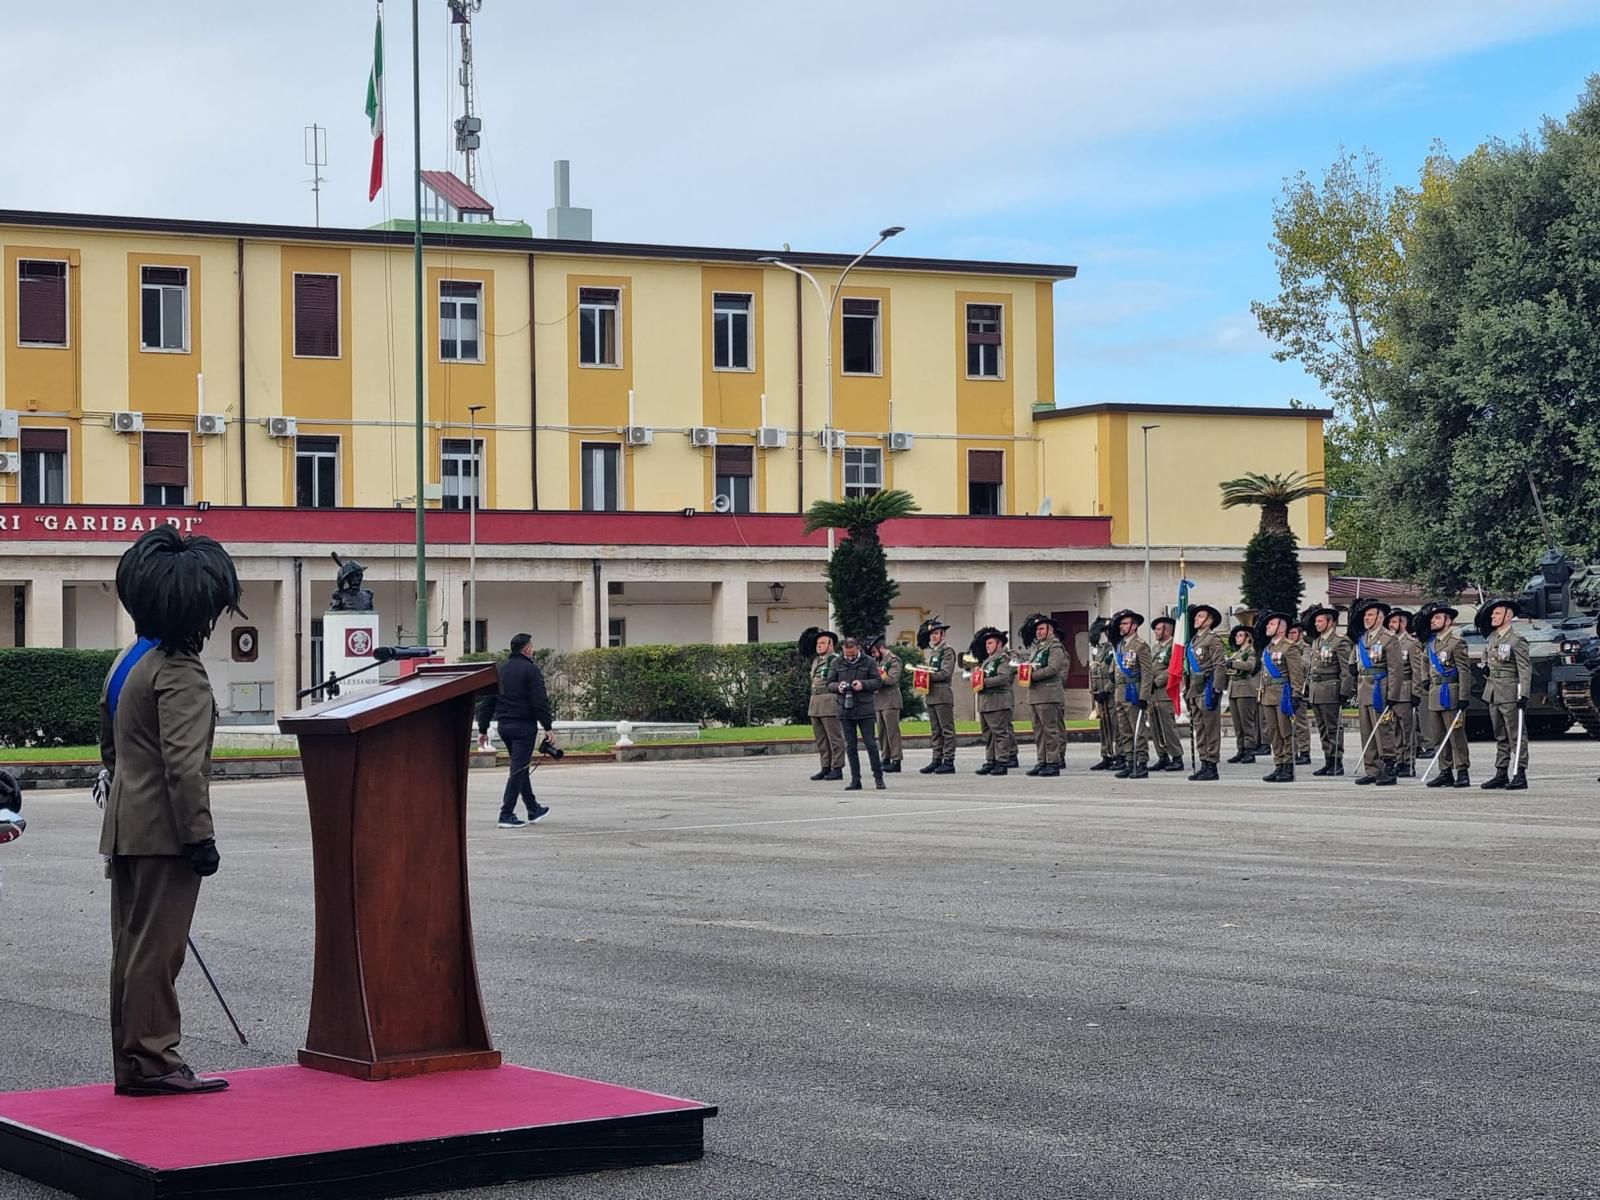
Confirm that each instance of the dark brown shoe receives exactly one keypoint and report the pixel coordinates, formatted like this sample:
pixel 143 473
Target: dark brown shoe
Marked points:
pixel 182 1082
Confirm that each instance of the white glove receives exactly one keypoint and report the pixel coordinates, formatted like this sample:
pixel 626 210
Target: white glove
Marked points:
pixel 102 788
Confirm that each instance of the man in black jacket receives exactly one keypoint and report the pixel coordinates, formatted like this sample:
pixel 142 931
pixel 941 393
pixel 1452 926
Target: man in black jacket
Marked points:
pixel 855 677
pixel 519 709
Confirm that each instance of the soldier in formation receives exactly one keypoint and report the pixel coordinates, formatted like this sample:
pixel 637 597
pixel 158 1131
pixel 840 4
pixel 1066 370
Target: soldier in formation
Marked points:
pixel 991 682
pixel 1041 672
pixel 888 703
pixel 1448 692
pixel 1204 682
pixel 1283 678
pixel 820 645
pixel 940 697
pixel 1131 689
pixel 1101 672
pixel 1169 747
pixel 1405 703
pixel 1299 635
pixel 1510 678
pixel 1378 675
pixel 1329 683
pixel 1243 663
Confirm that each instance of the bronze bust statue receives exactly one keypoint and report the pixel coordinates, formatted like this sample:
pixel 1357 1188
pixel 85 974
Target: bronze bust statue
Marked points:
pixel 350 596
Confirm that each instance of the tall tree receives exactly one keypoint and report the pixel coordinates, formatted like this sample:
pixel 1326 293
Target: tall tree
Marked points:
pixel 859 586
pixel 1495 345
pixel 1271 579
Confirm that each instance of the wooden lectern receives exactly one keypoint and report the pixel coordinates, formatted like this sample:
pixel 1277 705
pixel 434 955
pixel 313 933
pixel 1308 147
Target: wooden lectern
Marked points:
pixel 395 984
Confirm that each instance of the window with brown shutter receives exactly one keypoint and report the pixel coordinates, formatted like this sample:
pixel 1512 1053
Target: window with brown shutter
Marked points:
pixel 166 468
pixel 44 466
pixel 736 460
pixel 986 470
pixel 41 303
pixel 316 316
pixel 44 441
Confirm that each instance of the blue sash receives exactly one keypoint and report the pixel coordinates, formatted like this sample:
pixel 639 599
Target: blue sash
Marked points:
pixel 1194 669
pixel 1447 675
pixel 1366 661
pixel 1130 689
pixel 1285 693
pixel 120 676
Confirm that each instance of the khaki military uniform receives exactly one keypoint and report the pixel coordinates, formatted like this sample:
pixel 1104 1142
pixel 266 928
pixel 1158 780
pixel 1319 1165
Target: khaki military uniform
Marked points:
pixel 1449 692
pixel 823 710
pixel 1244 699
pixel 1421 675
pixel 1101 671
pixel 1302 712
pixel 993 685
pixel 1405 702
pixel 1205 652
pixel 941 701
pixel 158 749
pixel 1378 682
pixel 889 703
pixel 1328 685
pixel 1510 679
pixel 1132 686
pixel 1047 663
pixel 1163 716
pixel 1283 657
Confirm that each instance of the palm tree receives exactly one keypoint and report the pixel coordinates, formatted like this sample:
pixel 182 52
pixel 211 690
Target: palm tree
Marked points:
pixel 859 586
pixel 1274 493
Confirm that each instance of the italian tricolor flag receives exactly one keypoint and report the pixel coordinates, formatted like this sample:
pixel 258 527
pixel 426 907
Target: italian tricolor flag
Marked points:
pixel 375 113
pixel 1180 638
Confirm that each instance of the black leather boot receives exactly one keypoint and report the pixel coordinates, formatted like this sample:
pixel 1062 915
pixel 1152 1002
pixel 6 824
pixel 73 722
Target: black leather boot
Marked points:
pixel 1275 777
pixel 1206 771
pixel 1326 768
pixel 1139 771
pixel 986 769
pixel 1462 779
pixel 1036 769
pixel 1497 780
pixel 1105 764
pixel 929 769
pixel 1386 776
pixel 1161 763
pixel 1445 778
pixel 1049 769
pixel 1303 760
pixel 1338 767
pixel 1518 783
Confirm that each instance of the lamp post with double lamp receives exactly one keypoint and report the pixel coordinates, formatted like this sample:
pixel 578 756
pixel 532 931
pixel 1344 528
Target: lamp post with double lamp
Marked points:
pixel 1147 599
pixel 472 526
pixel 829 301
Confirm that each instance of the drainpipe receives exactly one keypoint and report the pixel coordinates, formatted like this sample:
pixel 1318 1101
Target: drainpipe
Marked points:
pixel 533 385
pixel 299 628
pixel 244 417
pixel 799 398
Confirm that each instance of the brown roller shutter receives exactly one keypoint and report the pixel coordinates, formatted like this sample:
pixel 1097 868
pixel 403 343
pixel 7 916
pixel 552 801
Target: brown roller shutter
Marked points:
pixel 736 460
pixel 44 441
pixel 42 303
pixel 166 459
pixel 316 316
pixel 986 466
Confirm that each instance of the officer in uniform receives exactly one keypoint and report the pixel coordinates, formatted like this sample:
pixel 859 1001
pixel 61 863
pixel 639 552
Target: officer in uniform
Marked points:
pixel 1405 704
pixel 941 698
pixel 1283 678
pixel 1329 684
pixel 888 703
pixel 1448 692
pixel 1299 635
pixel 1379 680
pixel 1043 671
pixel 1100 683
pixel 1242 664
pixel 1510 678
pixel 1132 686
pixel 1169 746
pixel 991 680
pixel 1204 681
pixel 820 646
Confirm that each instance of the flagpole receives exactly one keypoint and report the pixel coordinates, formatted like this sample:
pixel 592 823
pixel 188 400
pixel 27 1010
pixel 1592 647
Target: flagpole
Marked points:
pixel 421 638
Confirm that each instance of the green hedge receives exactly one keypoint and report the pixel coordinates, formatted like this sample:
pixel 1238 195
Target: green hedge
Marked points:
pixel 51 697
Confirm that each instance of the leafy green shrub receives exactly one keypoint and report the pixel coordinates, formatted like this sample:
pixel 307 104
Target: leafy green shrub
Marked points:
pixel 51 697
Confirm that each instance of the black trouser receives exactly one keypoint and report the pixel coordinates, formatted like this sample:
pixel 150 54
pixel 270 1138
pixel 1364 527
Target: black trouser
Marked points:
pixel 519 737
pixel 861 727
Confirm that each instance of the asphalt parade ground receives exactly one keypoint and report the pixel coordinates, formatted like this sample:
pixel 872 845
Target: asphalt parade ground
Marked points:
pixel 959 987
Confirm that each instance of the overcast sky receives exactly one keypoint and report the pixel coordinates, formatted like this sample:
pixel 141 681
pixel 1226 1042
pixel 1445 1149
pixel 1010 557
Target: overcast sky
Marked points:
pixel 1142 141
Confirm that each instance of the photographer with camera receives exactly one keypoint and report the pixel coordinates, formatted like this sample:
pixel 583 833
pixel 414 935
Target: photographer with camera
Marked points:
pixel 519 710
pixel 855 677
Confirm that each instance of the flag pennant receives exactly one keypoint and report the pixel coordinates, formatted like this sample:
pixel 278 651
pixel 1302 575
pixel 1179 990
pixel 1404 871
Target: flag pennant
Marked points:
pixel 375 113
pixel 1180 638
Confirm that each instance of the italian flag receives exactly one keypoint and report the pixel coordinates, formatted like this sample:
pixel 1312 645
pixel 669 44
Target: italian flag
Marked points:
pixel 1180 639
pixel 375 113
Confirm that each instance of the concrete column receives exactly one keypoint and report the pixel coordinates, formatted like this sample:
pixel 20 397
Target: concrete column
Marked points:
pixel 455 641
pixel 126 635
pixel 730 612
pixel 583 607
pixel 46 612
pixel 991 604
pixel 284 661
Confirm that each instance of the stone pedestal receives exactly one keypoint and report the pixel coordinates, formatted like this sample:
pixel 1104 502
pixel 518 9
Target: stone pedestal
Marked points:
pixel 348 639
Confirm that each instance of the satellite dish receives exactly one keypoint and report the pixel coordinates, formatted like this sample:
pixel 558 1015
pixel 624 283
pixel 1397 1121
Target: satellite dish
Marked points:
pixel 1045 507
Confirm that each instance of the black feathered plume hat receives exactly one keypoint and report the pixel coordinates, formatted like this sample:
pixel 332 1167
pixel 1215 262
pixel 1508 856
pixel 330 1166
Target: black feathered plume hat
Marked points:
pixel 176 588
pixel 1029 629
pixel 978 650
pixel 807 644
pixel 926 628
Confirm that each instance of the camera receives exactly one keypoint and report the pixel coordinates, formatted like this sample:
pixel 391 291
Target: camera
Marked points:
pixel 548 746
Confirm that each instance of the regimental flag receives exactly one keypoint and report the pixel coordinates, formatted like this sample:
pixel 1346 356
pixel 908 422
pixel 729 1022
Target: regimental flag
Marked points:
pixel 375 113
pixel 1180 639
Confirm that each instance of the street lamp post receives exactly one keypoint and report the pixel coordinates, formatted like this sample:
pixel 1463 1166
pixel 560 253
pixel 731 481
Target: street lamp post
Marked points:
pixel 1147 593
pixel 829 301
pixel 472 526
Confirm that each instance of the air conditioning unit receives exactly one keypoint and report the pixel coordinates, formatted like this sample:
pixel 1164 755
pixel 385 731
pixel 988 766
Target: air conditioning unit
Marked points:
pixel 901 441
pixel 638 435
pixel 8 426
pixel 770 437
pixel 211 424
pixel 10 463
pixel 702 435
pixel 722 504
pixel 831 439
pixel 127 422
pixel 432 491
pixel 282 427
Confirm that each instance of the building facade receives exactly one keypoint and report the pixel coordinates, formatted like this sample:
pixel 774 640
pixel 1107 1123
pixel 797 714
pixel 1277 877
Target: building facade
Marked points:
pixel 638 425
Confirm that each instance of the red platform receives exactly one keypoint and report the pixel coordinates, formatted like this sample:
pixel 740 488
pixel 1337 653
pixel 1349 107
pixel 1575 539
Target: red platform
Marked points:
pixel 288 1131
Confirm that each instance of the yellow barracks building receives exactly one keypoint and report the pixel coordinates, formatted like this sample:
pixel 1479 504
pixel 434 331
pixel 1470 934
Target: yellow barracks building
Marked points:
pixel 642 424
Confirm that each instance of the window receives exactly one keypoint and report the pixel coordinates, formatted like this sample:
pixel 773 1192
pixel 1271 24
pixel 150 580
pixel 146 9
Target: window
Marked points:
pixel 730 330
pixel 41 303
pixel 166 469
pixel 860 337
pixel 601 470
pixel 478 636
pixel 983 341
pixel 752 629
pixel 316 316
pixel 316 472
pixel 986 471
pixel 459 305
pixel 599 310
pixel 863 470
pixel 317 674
pixel 164 308
pixel 616 631
pixel 44 466
pixel 460 471
pixel 735 467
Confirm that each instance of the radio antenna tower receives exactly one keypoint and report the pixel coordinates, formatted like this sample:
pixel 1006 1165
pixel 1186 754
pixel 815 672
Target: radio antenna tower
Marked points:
pixel 316 159
pixel 468 125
